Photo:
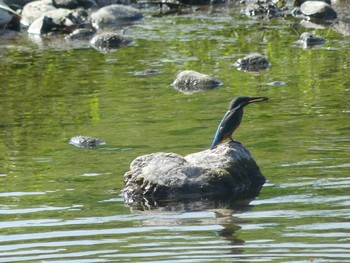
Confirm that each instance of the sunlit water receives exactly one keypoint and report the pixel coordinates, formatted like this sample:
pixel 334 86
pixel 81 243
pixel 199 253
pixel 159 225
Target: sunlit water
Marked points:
pixel 59 203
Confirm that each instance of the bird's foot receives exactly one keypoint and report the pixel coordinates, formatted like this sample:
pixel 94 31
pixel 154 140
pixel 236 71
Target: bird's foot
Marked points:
pixel 235 141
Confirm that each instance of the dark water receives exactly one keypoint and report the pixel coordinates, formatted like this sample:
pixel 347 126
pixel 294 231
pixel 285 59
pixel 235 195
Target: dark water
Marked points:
pixel 59 203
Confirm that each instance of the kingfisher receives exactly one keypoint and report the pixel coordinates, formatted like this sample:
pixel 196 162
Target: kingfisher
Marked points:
pixel 232 118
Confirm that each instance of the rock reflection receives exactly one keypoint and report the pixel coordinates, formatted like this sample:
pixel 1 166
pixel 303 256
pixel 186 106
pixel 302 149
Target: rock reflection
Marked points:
pixel 202 214
pixel 191 204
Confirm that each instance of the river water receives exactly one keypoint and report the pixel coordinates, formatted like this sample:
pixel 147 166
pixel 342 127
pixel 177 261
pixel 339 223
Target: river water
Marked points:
pixel 59 203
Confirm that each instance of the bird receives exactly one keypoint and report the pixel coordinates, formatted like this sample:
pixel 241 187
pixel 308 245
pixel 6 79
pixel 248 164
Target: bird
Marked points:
pixel 233 118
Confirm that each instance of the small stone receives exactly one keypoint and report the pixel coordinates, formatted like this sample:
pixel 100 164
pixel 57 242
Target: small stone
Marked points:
pixel 315 10
pixel 147 72
pixel 276 83
pixel 86 141
pixel 253 62
pixel 307 40
pixel 107 42
pixel 189 81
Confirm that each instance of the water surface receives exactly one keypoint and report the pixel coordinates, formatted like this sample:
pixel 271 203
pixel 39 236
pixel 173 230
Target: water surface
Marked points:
pixel 59 203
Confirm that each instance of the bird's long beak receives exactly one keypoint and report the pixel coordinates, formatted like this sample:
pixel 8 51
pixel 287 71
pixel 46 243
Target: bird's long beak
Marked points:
pixel 257 99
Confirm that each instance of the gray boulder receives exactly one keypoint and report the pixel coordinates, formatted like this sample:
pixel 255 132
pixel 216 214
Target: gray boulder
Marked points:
pixel 34 10
pixel 315 10
pixel 59 20
pixel 115 16
pixel 308 40
pixel 300 2
pixel 252 62
pixel 42 25
pixel 189 81
pixel 227 172
pixel 108 41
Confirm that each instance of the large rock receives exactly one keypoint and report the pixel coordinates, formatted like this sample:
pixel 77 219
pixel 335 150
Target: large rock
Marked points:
pixel 308 40
pixel 315 10
pixel 34 10
pixel 58 20
pixel 115 16
pixel 189 81
pixel 227 172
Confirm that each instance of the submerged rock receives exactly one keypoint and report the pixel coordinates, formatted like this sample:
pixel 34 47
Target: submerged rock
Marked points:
pixel 86 141
pixel 229 171
pixel 253 62
pixel 308 40
pixel 107 42
pixel 189 81
pixel 276 83
pixel 147 72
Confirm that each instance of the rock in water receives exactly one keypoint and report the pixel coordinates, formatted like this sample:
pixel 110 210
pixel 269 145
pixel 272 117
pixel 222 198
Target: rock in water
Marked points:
pixel 227 172
pixel 108 42
pixel 189 81
pixel 315 10
pixel 115 15
pixel 35 9
pixel 252 62
pixel 86 141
